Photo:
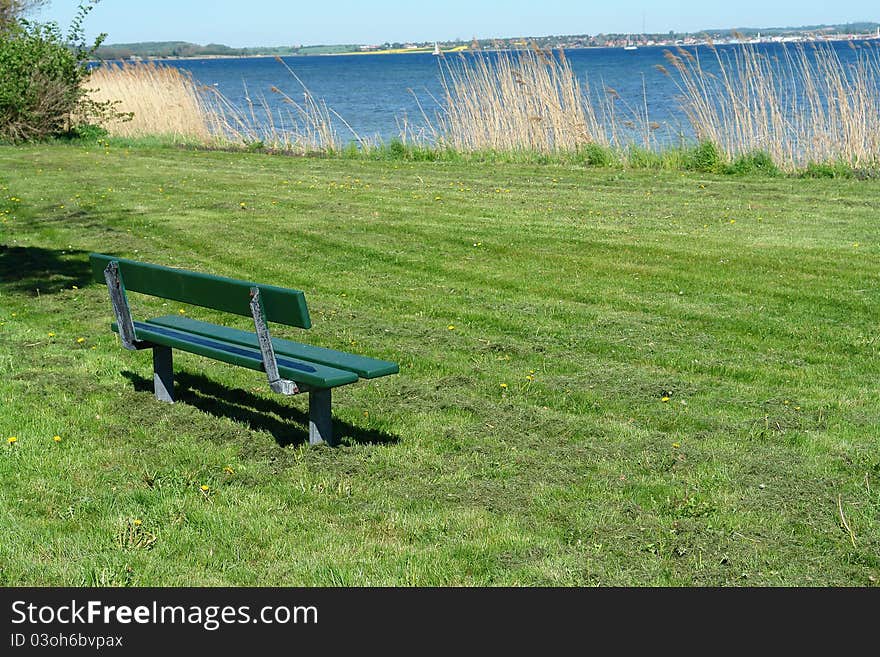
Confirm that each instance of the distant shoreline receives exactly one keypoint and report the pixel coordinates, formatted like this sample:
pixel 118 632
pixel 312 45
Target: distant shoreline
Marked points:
pixel 462 49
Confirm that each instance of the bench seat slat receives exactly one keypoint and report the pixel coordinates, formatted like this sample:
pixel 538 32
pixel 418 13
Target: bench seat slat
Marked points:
pixel 364 367
pixel 313 374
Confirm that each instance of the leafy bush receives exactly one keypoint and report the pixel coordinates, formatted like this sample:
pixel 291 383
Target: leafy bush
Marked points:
pixel 598 156
pixel 703 157
pixel 828 170
pixel 397 150
pixel 758 162
pixel 643 158
pixel 41 79
pixel 88 132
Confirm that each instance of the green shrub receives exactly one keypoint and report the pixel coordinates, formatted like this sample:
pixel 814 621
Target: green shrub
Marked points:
pixel 351 150
pixel 643 158
pixel 828 170
pixel 703 157
pixel 397 150
pixel 88 132
pixel 38 82
pixel 758 162
pixel 598 156
pixel 41 79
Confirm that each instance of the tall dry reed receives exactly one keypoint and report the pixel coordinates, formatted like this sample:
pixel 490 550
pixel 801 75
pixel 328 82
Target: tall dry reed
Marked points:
pixel 163 100
pixel 527 100
pixel 803 106
pixel 299 126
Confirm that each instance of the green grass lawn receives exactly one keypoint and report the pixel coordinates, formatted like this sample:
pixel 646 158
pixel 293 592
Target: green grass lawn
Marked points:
pixel 541 315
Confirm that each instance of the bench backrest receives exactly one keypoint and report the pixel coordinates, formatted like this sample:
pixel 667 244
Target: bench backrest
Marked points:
pixel 228 294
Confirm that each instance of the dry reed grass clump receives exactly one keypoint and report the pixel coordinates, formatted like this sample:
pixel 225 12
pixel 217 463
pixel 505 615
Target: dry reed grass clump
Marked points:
pixel 528 100
pixel 522 100
pixel 163 100
pixel 804 106
pixel 296 127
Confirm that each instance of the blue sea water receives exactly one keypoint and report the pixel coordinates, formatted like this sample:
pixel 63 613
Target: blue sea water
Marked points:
pixel 376 94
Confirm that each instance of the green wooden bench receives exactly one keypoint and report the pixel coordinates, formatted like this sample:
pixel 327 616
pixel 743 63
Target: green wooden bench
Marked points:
pixel 291 367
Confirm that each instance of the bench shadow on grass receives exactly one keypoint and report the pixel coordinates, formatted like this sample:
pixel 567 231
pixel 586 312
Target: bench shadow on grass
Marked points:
pixel 34 270
pixel 288 425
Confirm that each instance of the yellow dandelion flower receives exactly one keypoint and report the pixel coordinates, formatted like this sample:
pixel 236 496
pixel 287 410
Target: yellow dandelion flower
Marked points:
pixel 664 399
pixel 137 522
pixel 57 439
pixel 228 470
pixel 12 440
pixel 51 335
pixel 504 385
pixel 205 488
pixel 80 340
pixel 182 311
pixel 676 445
pixel 451 327
pixel 530 378
pixel 242 204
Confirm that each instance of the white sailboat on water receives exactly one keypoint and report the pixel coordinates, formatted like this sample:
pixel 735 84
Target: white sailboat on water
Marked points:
pixel 629 45
pixel 436 49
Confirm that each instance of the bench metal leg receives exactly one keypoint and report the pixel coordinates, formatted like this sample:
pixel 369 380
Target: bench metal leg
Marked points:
pixel 163 374
pixel 320 420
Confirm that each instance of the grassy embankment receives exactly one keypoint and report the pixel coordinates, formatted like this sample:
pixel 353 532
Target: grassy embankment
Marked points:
pixel 805 110
pixel 541 317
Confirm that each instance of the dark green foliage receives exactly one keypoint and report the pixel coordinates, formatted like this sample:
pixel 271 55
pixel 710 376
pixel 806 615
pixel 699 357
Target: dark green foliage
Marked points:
pixel 187 49
pixel 642 158
pixel 41 79
pixel 758 162
pixel 397 150
pixel 87 132
pixel 703 157
pixel 598 156
pixel 828 170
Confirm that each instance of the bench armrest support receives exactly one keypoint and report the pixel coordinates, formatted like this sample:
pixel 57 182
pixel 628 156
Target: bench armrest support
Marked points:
pixel 279 385
pixel 121 310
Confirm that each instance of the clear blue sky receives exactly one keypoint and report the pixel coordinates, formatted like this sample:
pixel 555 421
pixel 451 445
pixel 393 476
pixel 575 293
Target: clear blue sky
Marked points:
pixel 285 22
